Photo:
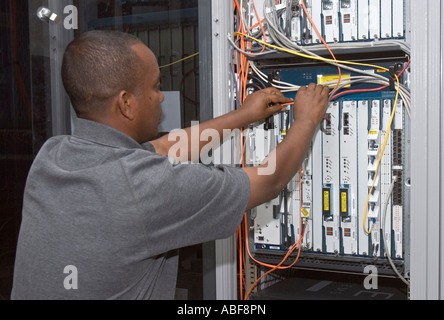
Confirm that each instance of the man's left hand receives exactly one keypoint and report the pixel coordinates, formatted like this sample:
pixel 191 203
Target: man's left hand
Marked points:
pixel 263 104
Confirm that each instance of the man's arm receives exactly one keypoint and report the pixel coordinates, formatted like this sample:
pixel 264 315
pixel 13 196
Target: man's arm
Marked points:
pixel 309 109
pixel 258 106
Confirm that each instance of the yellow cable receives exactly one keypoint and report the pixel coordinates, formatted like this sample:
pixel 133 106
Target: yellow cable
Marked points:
pixel 381 155
pixel 308 56
pixel 178 61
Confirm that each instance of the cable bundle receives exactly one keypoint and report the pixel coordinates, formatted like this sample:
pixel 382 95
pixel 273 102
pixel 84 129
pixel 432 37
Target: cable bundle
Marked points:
pixel 270 38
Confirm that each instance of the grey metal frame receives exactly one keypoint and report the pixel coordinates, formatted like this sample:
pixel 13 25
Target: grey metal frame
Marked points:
pixel 427 224
pixel 223 102
pixel 205 61
pixel 206 113
pixel 59 40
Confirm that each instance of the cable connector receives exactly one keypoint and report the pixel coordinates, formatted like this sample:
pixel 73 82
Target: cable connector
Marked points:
pixel 394 72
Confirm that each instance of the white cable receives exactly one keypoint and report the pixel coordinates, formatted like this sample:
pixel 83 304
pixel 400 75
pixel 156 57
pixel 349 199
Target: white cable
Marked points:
pixel 263 77
pixel 384 213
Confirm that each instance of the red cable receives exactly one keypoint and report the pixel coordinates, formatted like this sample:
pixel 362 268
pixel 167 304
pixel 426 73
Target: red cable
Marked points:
pixel 359 91
pixel 370 90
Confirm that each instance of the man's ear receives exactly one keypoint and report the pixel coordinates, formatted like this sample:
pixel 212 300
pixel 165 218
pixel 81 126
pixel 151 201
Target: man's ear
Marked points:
pixel 126 105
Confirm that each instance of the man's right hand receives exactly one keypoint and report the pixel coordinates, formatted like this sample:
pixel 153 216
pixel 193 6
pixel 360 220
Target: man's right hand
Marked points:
pixel 311 103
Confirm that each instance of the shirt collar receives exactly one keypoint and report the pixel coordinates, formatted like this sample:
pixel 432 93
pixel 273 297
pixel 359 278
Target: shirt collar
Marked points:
pixel 102 134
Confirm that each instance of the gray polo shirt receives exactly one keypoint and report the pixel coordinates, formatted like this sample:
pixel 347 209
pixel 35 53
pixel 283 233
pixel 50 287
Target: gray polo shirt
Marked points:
pixel 115 212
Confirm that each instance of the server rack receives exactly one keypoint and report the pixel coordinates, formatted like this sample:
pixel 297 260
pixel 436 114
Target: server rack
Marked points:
pixel 411 167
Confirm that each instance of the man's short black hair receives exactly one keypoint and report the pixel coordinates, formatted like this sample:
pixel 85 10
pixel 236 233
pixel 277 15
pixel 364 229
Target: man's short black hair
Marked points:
pixel 97 66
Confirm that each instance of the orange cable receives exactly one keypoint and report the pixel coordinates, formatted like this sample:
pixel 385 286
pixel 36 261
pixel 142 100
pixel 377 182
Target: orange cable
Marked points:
pixel 243 77
pixel 290 251
pixel 279 266
pixel 323 41
pixel 239 72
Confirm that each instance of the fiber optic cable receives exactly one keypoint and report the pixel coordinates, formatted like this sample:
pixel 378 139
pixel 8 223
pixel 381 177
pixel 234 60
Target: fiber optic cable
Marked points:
pixel 178 61
pixel 312 57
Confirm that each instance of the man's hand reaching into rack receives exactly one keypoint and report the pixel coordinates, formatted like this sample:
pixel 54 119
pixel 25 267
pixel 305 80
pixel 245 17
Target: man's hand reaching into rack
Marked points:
pixel 263 104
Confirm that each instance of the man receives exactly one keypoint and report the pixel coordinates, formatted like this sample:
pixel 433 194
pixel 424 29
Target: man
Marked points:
pixel 105 209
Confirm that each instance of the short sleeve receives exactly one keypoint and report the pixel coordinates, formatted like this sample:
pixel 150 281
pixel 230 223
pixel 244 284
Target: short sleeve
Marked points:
pixel 187 204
